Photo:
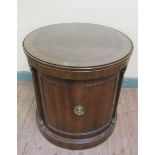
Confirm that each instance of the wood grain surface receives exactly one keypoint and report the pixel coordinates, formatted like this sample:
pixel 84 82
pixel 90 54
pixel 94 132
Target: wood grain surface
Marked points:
pixel 123 141
pixel 77 44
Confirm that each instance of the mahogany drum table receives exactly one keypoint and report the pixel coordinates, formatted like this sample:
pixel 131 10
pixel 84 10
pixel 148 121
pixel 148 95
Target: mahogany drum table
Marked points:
pixel 77 73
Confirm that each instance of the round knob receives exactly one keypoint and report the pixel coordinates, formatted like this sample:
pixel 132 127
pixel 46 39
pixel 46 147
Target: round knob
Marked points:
pixel 79 110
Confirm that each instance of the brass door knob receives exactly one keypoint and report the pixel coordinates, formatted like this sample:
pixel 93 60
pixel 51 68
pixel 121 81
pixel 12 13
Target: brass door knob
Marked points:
pixel 79 110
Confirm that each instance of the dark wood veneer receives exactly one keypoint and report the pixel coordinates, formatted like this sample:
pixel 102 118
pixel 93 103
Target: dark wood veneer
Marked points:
pixel 60 88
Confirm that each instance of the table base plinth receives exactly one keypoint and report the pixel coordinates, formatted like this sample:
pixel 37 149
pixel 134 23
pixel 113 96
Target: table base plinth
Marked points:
pixel 69 142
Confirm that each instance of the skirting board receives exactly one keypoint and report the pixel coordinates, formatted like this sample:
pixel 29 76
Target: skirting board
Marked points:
pixel 128 82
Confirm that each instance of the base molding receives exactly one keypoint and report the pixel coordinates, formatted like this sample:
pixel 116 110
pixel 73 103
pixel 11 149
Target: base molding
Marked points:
pixel 72 142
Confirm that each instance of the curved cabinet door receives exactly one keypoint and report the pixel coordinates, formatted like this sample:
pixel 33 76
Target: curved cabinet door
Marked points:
pixel 77 106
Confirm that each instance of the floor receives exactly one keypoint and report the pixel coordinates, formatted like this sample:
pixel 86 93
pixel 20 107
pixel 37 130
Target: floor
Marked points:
pixel 123 141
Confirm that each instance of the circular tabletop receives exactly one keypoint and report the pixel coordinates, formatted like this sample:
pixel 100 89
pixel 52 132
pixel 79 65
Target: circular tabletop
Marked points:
pixel 77 45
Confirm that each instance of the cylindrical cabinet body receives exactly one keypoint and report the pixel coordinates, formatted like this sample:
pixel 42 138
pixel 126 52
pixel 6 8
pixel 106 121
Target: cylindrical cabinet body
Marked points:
pixel 77 93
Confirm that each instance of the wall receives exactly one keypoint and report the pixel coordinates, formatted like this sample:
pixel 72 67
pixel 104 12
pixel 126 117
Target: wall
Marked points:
pixel 120 14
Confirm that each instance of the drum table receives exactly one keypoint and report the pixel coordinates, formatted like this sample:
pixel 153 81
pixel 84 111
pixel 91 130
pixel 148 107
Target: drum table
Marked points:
pixel 77 73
